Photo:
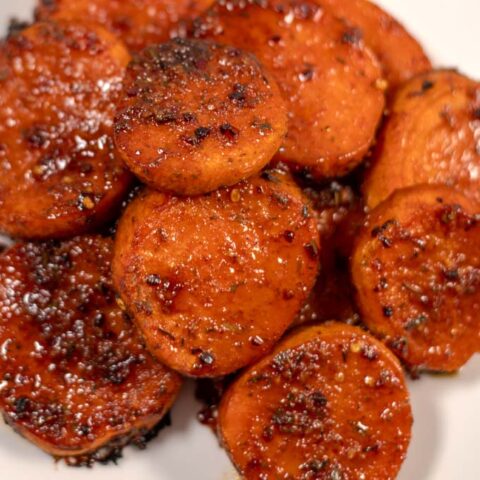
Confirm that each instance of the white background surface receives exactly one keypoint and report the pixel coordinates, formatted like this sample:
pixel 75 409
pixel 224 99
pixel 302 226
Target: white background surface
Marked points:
pixel 446 442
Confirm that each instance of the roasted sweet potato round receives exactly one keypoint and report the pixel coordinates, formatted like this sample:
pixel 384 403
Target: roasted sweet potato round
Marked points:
pixel 329 78
pixel 214 281
pixel 416 268
pixel 76 378
pixel 196 116
pixel 432 136
pixel 138 23
pixel 59 175
pixel 330 402
pixel 400 54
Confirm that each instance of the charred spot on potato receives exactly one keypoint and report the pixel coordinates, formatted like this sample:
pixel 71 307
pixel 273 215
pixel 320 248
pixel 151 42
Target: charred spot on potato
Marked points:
pixel 353 36
pixel 229 132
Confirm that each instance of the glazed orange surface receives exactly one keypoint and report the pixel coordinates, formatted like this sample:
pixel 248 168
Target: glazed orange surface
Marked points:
pixel 331 81
pixel 329 402
pixel 400 54
pixel 74 373
pixel 138 23
pixel 432 135
pixel 195 116
pixel 59 174
pixel 214 281
pixel 416 267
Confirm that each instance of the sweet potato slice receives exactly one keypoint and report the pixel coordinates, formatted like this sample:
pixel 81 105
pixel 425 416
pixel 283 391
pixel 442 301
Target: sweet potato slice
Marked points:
pixel 138 23
pixel 329 78
pixel 432 136
pixel 59 175
pixel 400 54
pixel 416 267
pixel 75 377
pixel 329 402
pixel 196 116
pixel 214 281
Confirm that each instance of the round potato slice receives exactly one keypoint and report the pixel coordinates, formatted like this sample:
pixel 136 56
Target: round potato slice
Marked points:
pixel 329 78
pixel 59 175
pixel 431 136
pixel 214 281
pixel 138 23
pixel 416 268
pixel 196 116
pixel 330 403
pixel 75 377
pixel 400 54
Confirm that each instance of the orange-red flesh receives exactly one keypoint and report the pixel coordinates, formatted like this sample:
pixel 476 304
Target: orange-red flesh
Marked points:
pixel 75 376
pixel 400 54
pixel 432 135
pixel 214 281
pixel 329 402
pixel 416 268
pixel 195 116
pixel 59 174
pixel 331 81
pixel 138 23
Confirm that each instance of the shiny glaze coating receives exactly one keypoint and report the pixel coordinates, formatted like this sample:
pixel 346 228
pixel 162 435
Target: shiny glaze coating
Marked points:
pixel 196 116
pixel 214 281
pixel 329 403
pixel 59 175
pixel 329 78
pixel 138 23
pixel 416 268
pixel 339 211
pixel 400 54
pixel 431 136
pixel 75 377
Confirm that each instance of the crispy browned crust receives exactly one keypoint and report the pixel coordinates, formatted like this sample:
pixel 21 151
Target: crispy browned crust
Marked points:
pixel 76 378
pixel 59 175
pixel 214 281
pixel 329 402
pixel 416 268
pixel 330 80
pixel 195 116
pixel 430 136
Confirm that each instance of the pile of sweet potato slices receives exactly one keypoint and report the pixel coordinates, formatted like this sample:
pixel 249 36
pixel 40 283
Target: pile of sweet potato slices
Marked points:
pixel 281 192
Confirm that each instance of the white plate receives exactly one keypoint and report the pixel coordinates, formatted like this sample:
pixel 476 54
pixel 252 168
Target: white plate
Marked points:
pixel 446 436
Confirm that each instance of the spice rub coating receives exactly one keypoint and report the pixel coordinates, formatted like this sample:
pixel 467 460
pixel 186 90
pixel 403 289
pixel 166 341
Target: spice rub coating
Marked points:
pixel 75 377
pixel 214 281
pixel 416 268
pixel 195 116
pixel 432 135
pixel 59 175
pixel 330 402
pixel 138 23
pixel 328 77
